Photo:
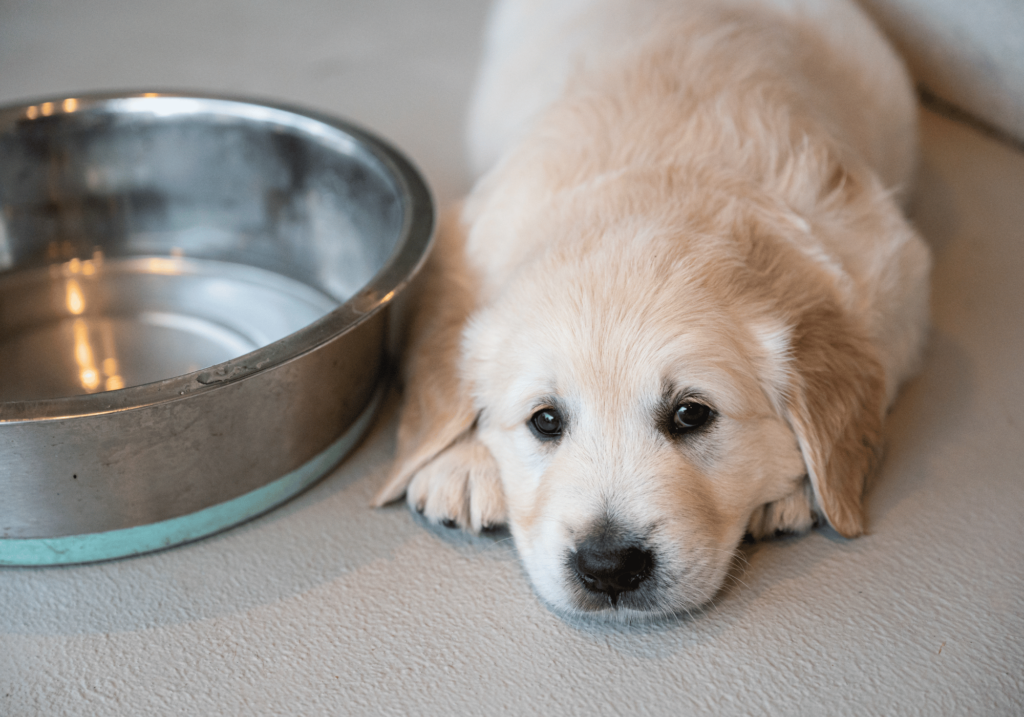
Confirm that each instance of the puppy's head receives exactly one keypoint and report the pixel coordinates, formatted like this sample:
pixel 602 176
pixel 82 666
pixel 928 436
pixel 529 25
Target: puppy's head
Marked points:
pixel 651 392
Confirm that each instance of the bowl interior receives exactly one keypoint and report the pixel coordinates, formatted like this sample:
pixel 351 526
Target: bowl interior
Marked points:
pixel 148 237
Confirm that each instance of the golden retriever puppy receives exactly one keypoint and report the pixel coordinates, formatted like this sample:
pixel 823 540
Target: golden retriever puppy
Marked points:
pixel 680 298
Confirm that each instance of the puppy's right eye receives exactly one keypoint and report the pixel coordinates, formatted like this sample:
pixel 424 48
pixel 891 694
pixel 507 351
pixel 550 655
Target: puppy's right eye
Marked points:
pixel 689 416
pixel 546 424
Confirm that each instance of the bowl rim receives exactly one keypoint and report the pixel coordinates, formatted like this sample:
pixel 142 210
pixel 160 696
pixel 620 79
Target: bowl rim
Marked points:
pixel 406 259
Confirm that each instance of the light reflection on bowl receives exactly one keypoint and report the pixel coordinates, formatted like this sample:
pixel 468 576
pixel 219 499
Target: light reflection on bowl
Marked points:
pixel 193 312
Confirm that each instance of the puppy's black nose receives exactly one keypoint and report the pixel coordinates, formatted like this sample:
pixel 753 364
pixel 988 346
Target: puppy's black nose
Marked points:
pixel 612 568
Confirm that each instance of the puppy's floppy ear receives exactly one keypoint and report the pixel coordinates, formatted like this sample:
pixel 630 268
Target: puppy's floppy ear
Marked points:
pixel 438 406
pixel 834 404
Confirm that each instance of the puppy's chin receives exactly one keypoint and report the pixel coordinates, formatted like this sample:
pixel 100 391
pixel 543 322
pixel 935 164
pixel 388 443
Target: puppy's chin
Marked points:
pixel 630 609
pixel 616 616
pixel 675 582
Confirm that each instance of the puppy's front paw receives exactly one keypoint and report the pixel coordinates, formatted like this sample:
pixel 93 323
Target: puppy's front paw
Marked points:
pixel 460 487
pixel 796 513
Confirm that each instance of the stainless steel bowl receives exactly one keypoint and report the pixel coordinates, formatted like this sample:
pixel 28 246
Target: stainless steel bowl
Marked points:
pixel 193 313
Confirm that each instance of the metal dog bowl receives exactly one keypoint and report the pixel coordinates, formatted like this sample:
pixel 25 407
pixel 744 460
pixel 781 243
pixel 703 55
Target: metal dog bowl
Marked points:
pixel 193 313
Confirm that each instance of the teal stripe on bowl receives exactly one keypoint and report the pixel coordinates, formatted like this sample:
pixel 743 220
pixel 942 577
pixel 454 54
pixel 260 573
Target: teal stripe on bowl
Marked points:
pixel 92 547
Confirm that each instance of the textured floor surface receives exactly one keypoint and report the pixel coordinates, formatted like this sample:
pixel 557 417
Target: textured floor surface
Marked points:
pixel 327 607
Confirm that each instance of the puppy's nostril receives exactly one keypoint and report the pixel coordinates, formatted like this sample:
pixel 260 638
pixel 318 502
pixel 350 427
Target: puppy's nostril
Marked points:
pixel 612 570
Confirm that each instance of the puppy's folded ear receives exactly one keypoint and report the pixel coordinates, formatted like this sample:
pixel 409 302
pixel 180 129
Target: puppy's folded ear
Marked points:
pixel 438 407
pixel 834 404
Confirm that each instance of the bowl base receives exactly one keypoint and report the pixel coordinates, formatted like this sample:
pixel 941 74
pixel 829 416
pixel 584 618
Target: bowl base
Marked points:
pixel 113 544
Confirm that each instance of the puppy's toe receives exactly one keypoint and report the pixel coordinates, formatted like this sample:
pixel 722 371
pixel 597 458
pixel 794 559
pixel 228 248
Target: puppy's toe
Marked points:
pixel 486 497
pixel 459 488
pixel 793 514
pixel 439 492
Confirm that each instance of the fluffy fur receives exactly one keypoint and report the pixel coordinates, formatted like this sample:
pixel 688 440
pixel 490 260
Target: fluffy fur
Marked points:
pixel 680 201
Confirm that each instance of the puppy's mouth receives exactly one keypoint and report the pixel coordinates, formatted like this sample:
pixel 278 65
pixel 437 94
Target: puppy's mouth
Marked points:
pixel 624 576
pixel 605 574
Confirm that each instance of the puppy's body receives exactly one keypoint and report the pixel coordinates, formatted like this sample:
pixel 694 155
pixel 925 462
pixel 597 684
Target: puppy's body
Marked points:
pixel 687 207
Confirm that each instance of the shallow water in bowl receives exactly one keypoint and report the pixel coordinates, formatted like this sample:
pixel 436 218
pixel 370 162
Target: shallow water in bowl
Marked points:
pixel 94 325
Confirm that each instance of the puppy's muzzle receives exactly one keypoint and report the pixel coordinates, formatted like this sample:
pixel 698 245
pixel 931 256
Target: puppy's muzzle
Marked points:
pixel 610 567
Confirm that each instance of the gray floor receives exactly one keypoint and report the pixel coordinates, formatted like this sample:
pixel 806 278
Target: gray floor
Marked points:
pixel 328 607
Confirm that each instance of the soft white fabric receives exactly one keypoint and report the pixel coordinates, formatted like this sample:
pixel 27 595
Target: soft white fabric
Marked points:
pixel 970 54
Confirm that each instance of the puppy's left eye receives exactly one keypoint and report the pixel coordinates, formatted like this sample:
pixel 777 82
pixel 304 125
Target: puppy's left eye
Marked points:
pixel 546 424
pixel 689 416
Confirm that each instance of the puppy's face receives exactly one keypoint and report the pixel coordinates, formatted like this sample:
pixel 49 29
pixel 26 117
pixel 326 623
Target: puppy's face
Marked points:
pixel 624 397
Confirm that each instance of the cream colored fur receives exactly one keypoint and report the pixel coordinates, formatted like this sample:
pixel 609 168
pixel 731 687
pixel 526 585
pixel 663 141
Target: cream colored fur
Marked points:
pixel 679 201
